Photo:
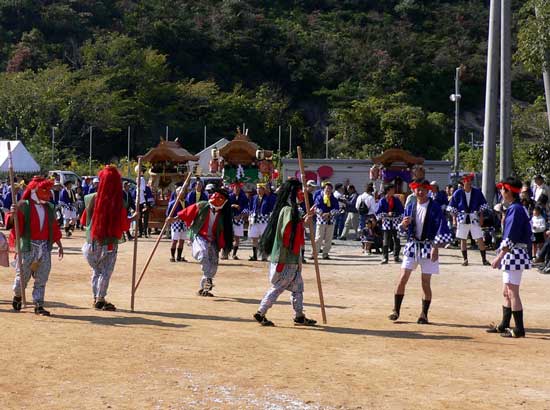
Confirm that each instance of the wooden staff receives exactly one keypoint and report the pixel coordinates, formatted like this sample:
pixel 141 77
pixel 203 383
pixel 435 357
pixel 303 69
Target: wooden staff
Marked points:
pixel 16 225
pixel 184 187
pixel 136 232
pixel 312 238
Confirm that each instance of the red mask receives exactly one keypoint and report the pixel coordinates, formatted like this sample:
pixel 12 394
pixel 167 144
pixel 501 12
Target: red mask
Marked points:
pixel 217 200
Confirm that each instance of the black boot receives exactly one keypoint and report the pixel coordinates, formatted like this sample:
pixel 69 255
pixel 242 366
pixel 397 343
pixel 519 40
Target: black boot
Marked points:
pixel 423 319
pixel 16 303
pixel 518 330
pixel 504 324
pixel 39 310
pixel 254 256
pixel 304 321
pixel 465 257
pixel 385 257
pixel 172 254
pixel 262 320
pixel 484 258
pixel 397 301
pixel 180 258
pixel 234 256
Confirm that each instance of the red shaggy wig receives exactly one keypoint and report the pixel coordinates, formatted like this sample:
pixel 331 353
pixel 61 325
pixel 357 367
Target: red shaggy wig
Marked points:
pixel 106 221
pixel 37 183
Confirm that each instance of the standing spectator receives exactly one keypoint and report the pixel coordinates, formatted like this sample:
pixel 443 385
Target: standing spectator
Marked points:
pixel 538 226
pixel 539 188
pixel 366 205
pixel 79 206
pixel 326 208
pixel 340 195
pixel 129 204
pixel 390 212
pixel 197 193
pixel 352 219
pixel 439 197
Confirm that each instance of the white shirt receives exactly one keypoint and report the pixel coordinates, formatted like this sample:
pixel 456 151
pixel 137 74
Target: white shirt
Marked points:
pixel 41 214
pixel 368 200
pixel 211 219
pixel 538 190
pixel 421 210
pixel 468 196
pixel 538 223
pixel 142 191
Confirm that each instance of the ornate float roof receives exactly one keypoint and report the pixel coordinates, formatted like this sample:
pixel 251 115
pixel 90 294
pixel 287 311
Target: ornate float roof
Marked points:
pixel 240 150
pixel 397 155
pixel 168 151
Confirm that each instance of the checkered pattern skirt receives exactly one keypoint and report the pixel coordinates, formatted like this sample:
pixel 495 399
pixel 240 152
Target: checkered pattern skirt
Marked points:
pixel 516 258
pixel 178 231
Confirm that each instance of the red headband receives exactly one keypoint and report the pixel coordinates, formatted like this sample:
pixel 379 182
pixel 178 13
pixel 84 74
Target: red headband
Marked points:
pixel 508 187
pixel 468 178
pixel 234 184
pixel 416 185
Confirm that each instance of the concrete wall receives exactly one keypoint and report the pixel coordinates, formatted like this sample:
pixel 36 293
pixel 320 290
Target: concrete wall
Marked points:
pixel 357 171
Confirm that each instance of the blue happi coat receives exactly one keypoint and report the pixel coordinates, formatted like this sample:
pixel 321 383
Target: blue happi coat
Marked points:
pixel 261 208
pixel 459 207
pixel 382 210
pixel 242 201
pixel 435 231
pixel 516 237
pixel 322 208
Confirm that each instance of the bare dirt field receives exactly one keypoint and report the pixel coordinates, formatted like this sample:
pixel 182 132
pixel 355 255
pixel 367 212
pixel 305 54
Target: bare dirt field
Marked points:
pixel 182 351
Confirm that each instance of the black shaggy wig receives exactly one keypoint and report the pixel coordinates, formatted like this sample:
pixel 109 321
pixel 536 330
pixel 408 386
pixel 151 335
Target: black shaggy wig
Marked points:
pixel 227 220
pixel 285 197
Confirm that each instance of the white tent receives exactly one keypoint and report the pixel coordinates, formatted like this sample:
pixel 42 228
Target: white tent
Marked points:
pixel 22 160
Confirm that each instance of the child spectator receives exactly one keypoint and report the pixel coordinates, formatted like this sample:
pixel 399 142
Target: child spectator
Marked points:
pixel 538 226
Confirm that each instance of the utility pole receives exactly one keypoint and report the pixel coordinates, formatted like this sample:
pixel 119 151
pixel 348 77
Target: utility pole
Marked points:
pixel 491 100
pixel 53 146
pixel 545 75
pixel 290 142
pixel 166 134
pixel 506 89
pixel 90 161
pixel 456 99
pixel 128 151
pixel 205 137
pixel 279 141
pixel 326 143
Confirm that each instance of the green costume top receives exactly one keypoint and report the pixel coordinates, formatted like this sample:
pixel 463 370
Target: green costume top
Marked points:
pixel 282 252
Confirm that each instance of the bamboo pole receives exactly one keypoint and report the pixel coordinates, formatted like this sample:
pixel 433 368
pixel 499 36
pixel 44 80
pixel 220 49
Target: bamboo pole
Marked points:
pixel 136 230
pixel 185 184
pixel 312 238
pixel 16 226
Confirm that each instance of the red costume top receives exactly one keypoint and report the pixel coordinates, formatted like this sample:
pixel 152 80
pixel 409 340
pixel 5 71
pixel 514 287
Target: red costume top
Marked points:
pixel 37 234
pixel 189 214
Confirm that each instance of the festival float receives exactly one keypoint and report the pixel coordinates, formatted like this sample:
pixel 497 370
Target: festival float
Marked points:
pixel 243 161
pixel 397 166
pixel 168 165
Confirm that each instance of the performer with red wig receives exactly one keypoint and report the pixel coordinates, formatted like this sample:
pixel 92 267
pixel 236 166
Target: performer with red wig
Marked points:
pixel 106 219
pixel 38 231
pixel 211 230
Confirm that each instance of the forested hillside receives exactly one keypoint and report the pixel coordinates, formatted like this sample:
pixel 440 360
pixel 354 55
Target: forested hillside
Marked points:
pixel 378 73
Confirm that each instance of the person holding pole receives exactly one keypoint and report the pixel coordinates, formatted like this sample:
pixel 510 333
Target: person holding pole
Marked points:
pixel 106 219
pixel 38 231
pixel 467 206
pixel 210 225
pixel 283 240
pixel 326 208
pixel 426 230
pixel 512 258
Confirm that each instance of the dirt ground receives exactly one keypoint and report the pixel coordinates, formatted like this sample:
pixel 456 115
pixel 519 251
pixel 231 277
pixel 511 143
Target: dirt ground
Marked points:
pixel 181 351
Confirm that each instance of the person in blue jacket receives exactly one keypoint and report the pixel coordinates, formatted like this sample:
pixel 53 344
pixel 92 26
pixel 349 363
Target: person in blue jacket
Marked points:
pixel 239 208
pixel 466 206
pixel 260 209
pixel 178 230
pixel 390 212
pixel 512 258
pixel 426 229
pixel 326 209
pixel 196 194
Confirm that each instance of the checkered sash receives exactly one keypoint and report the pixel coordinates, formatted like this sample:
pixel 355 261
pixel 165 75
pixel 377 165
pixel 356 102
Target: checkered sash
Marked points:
pixel 516 258
pixel 418 249
pixel 391 222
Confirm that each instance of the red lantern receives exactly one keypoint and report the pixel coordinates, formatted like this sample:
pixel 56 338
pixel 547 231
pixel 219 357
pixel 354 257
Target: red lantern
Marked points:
pixel 325 172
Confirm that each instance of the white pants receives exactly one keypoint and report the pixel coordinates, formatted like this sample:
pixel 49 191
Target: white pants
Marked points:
pixel 256 230
pixel 512 277
pixel 462 231
pixel 426 265
pixel 323 238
